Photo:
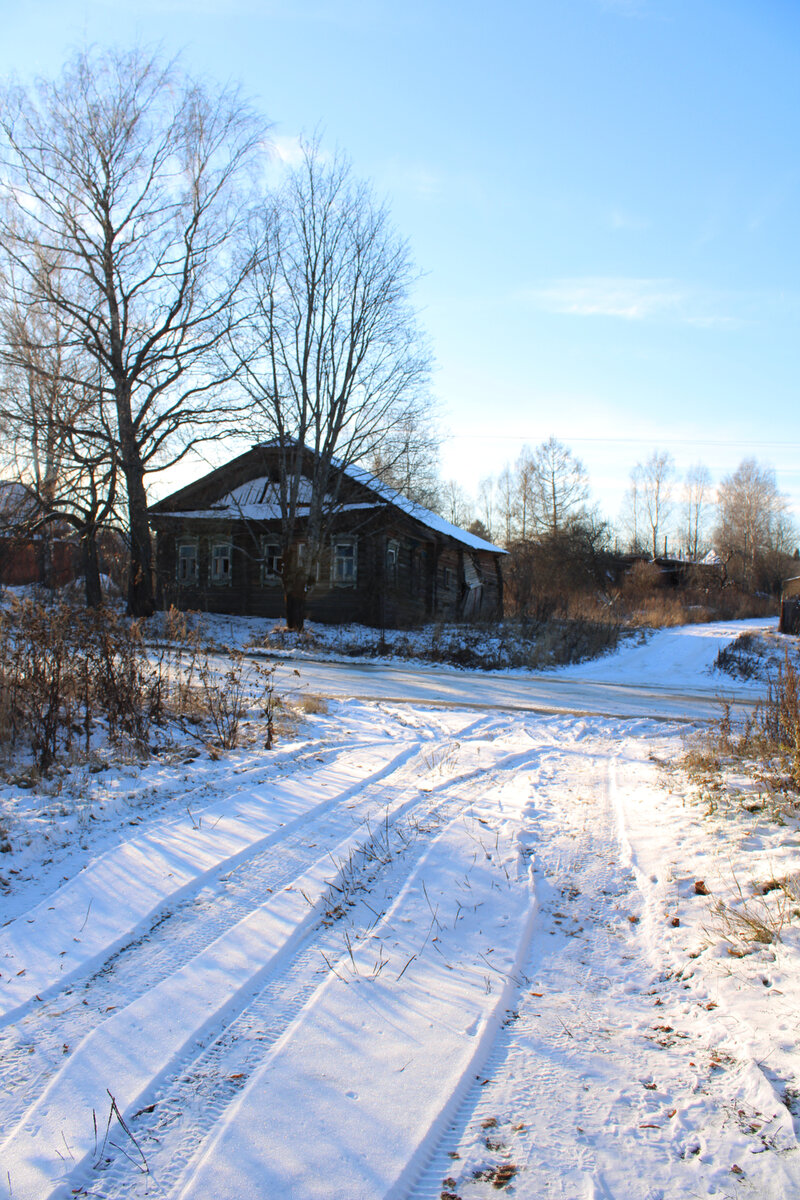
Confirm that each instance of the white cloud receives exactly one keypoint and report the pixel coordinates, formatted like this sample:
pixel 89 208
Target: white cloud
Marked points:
pixel 288 148
pixel 619 218
pixel 604 296
pixel 642 299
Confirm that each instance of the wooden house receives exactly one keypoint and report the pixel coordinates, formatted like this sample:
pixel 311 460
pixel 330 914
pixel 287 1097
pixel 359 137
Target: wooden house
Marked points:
pixel 386 561
pixel 32 551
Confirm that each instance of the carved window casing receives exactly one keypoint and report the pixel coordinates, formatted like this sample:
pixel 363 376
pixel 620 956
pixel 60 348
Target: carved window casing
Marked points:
pixel 186 566
pixel 271 562
pixel 344 562
pixel 221 564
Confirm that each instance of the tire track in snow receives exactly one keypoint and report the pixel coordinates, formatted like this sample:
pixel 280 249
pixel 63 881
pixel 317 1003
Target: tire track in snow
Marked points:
pixel 32 1050
pixel 187 1105
pixel 106 985
pixel 599 1087
pixel 475 1134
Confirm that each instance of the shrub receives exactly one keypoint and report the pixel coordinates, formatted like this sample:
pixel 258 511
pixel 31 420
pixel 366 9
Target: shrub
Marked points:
pixel 64 670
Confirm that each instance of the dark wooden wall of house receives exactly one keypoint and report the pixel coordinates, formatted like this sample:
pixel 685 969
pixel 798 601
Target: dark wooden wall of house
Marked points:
pixel 427 582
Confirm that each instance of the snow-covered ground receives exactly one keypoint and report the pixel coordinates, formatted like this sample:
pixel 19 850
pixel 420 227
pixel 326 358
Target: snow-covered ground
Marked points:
pixel 423 952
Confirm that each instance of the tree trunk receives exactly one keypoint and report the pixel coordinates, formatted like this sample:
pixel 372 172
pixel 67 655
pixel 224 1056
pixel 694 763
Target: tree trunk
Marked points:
pixel 141 595
pixel 91 569
pixel 47 558
pixel 295 607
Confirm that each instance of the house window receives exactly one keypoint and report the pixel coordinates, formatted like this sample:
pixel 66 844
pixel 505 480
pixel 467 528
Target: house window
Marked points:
pixel 186 566
pixel 221 563
pixel 301 550
pixel 271 562
pixel 447 579
pixel 343 565
pixel 392 556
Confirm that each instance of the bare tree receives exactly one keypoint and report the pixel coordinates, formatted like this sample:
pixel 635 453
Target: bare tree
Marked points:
pixel 506 505
pixel 332 359
pixel 631 517
pixel 486 505
pixel 694 508
pixel 121 211
pixel 57 436
pixel 561 486
pixel 653 481
pixel 456 504
pixel 525 493
pixel 753 533
pixel 407 459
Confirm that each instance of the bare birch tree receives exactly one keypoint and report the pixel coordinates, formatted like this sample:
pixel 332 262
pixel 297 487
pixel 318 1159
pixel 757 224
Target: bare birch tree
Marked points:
pixel 332 359
pixel 407 459
pixel 561 486
pixel 506 505
pixel 654 480
pixel 456 504
pixel 121 211
pixel 694 508
pixel 525 493
pixel 754 534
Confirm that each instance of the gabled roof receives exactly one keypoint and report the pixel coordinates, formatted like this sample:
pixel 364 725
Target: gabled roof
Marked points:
pixel 256 497
pixel 18 504
pixel 425 517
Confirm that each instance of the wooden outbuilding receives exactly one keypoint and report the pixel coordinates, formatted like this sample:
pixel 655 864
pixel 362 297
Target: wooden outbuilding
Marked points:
pixel 386 561
pixel 48 556
pixel 790 606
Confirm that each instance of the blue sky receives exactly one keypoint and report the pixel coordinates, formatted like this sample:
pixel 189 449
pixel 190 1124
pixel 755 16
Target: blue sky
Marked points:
pixel 602 195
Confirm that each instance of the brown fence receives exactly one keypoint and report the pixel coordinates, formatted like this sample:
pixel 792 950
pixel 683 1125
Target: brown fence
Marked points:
pixel 26 561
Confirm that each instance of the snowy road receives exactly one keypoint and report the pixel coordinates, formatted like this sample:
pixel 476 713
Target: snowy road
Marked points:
pixel 670 675
pixel 532 693
pixel 425 953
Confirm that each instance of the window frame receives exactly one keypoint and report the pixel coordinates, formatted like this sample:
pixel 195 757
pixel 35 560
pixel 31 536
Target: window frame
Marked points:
pixel 185 543
pixel 274 577
pixel 216 544
pixel 337 577
pixel 392 561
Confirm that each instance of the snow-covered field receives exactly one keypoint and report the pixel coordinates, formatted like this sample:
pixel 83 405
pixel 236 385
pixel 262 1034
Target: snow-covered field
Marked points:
pixel 417 951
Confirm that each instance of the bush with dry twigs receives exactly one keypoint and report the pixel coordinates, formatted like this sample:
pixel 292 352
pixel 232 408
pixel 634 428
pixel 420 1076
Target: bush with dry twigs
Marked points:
pixel 70 675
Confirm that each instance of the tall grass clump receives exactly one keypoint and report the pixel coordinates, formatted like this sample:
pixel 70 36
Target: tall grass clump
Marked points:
pixel 68 674
pixel 777 722
pixel 765 747
pixel 62 670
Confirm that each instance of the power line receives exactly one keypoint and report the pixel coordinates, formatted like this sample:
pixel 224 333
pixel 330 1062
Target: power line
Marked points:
pixel 627 441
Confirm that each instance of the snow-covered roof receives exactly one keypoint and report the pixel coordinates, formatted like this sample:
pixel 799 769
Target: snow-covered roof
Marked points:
pixel 425 517
pixel 259 500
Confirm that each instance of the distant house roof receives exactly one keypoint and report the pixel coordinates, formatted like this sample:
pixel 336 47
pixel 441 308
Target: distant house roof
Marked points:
pixel 18 504
pixel 258 499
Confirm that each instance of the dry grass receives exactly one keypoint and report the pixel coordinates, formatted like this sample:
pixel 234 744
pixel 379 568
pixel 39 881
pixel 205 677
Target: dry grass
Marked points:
pixel 765 749
pixel 750 768
pixel 757 917
pixel 750 923
pixel 69 676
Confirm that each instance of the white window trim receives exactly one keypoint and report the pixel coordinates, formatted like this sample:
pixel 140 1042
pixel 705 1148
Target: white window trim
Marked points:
pixel 189 544
pixel 392 563
pixel 214 579
pixel 270 578
pixel 335 543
